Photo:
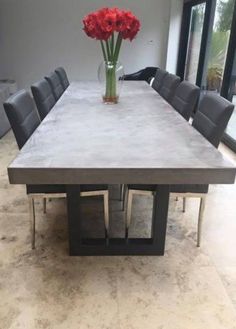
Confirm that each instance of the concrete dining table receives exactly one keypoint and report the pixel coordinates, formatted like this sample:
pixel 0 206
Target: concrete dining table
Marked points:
pixel 140 140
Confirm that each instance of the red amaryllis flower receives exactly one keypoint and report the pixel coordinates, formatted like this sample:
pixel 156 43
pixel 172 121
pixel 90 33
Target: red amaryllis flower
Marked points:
pixel 132 26
pixel 90 26
pixel 103 23
pixel 107 20
pixel 93 27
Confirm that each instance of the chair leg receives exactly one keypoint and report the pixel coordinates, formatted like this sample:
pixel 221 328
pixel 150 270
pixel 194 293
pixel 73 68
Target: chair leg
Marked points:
pixel 106 212
pixel 184 204
pixel 44 205
pixel 200 218
pixel 129 212
pixel 32 219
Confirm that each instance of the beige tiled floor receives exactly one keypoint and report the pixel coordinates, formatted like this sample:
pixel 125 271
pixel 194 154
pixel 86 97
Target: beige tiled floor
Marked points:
pixel 188 288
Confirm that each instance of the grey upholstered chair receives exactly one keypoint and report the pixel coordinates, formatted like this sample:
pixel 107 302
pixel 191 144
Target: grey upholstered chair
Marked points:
pixel 158 80
pixel 212 117
pixel 169 86
pixel 22 116
pixel 43 97
pixel 210 120
pixel 185 99
pixel 60 71
pixel 24 120
pixel 55 85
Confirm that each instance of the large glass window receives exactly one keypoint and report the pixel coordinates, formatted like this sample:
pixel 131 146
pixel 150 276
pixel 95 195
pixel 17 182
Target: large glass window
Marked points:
pixel 231 129
pixel 194 42
pixel 207 54
pixel 218 45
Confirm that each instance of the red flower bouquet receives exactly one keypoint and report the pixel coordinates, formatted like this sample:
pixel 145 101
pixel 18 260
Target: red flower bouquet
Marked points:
pixel 110 26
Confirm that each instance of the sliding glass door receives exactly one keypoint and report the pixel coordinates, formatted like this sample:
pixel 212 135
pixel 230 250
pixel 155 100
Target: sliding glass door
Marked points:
pixel 229 82
pixel 207 54
pixel 194 42
pixel 218 46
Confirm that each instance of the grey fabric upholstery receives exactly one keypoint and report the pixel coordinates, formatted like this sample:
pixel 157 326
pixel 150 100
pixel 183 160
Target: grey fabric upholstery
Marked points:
pixel 24 119
pixel 22 115
pixel 45 189
pixel 159 78
pixel 60 71
pixel 4 122
pixel 55 85
pixel 185 99
pixel 43 97
pixel 169 86
pixel 210 120
pixel 212 117
pixel 51 189
pixel 191 188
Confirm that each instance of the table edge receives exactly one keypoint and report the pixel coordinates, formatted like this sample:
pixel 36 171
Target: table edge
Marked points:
pixel 122 176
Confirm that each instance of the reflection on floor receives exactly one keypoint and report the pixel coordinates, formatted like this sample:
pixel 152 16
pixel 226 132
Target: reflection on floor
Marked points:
pixel 188 288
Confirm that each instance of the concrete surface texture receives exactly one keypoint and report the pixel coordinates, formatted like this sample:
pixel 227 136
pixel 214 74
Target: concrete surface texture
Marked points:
pixel 140 140
pixel 187 288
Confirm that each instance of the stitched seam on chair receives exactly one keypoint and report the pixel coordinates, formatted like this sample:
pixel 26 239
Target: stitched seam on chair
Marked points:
pixel 27 116
pixel 183 104
pixel 208 119
pixel 47 97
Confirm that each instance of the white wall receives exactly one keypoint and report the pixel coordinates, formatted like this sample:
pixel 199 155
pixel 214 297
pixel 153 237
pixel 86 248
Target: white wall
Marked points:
pixel 174 35
pixel 38 35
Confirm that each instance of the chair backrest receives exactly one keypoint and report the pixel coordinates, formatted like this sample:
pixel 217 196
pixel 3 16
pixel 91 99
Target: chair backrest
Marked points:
pixel 60 71
pixel 22 115
pixel 185 99
pixel 43 97
pixel 212 117
pixel 55 85
pixel 169 86
pixel 159 78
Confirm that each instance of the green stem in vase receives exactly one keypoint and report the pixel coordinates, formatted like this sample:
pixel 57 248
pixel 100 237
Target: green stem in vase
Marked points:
pixel 107 95
pixel 103 51
pixel 108 51
pixel 117 48
pixel 111 55
pixel 112 45
pixel 113 80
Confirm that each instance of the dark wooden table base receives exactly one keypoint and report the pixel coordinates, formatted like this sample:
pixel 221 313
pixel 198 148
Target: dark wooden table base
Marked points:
pixel 80 246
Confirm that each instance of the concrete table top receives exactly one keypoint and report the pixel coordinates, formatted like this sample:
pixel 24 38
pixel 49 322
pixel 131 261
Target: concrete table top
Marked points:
pixel 141 140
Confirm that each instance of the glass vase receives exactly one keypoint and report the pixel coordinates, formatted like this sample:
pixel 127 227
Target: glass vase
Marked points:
pixel 110 76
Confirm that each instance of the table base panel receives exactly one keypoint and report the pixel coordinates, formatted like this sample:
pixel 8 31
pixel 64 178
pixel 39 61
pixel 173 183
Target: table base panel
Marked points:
pixel 155 246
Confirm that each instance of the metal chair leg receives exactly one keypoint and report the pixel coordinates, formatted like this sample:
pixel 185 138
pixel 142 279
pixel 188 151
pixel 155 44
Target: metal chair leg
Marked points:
pixel 106 212
pixel 32 219
pixel 44 205
pixel 184 204
pixel 200 219
pixel 129 212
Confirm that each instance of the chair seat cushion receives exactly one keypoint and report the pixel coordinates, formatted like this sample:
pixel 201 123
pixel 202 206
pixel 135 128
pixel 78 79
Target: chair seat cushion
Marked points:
pixel 139 187
pixel 187 188
pixel 89 188
pixel 51 189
